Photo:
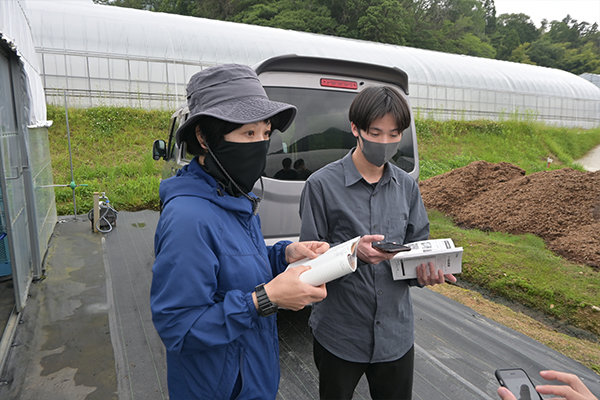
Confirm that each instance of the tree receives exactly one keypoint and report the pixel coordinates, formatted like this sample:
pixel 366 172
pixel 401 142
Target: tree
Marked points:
pixel 565 31
pixel 384 22
pixel 224 10
pixel 289 14
pixel 490 17
pixel 547 54
pixel 520 54
pixel 182 7
pixel 568 44
pixel 472 45
pixel 139 4
pixel 584 59
pixel 456 26
pixel 512 30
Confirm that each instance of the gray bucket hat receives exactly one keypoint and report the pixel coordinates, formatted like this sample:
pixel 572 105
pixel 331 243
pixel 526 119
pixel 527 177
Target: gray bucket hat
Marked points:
pixel 233 93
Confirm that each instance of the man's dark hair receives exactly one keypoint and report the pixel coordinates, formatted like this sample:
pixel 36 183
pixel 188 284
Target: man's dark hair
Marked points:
pixel 376 101
pixel 299 163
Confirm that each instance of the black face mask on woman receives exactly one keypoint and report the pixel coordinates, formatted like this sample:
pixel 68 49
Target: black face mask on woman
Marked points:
pixel 237 165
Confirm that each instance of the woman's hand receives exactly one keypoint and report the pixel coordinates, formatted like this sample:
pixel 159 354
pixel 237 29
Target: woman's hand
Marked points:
pixel 505 394
pixel 575 390
pixel 298 250
pixel 288 291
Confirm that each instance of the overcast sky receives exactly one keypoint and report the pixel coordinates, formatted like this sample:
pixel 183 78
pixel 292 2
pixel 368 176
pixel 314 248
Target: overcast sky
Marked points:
pixel 581 10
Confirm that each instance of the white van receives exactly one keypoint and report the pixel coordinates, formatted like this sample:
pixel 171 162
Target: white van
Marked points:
pixel 322 90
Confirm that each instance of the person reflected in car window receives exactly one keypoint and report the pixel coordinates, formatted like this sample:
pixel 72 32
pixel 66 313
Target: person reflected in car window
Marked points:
pixel 301 170
pixel 286 173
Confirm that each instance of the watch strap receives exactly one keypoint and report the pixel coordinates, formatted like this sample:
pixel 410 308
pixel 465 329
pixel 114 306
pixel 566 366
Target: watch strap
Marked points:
pixel 265 306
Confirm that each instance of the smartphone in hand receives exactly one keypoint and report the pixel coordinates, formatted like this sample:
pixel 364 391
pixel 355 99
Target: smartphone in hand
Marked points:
pixel 517 381
pixel 390 247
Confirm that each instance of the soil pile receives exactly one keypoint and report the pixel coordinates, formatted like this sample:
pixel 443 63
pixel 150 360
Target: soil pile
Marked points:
pixel 560 206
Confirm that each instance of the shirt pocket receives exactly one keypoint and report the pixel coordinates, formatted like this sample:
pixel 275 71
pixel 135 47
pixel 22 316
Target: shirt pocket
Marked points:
pixel 395 228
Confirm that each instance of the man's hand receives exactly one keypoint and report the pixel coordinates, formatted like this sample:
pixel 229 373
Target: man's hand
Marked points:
pixel 299 250
pixel 367 253
pixel 427 275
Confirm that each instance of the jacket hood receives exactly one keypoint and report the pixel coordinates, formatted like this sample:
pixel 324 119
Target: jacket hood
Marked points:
pixel 192 180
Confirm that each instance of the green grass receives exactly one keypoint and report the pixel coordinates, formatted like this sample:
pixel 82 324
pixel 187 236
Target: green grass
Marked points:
pixel 112 153
pixel 516 267
pixel 447 145
pixel 522 269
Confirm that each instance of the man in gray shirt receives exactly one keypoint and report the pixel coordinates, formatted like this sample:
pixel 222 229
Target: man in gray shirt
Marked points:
pixel 365 324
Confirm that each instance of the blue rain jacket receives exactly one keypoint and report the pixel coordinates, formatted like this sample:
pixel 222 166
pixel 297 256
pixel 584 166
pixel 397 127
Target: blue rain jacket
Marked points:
pixel 210 255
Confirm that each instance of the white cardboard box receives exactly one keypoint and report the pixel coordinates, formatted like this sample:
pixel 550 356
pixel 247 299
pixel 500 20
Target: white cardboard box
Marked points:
pixel 445 257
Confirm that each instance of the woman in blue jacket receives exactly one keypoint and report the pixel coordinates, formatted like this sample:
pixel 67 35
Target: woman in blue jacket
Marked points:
pixel 216 287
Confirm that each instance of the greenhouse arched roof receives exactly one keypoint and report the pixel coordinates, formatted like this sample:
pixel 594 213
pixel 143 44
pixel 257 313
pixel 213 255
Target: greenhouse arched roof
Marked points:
pixel 82 27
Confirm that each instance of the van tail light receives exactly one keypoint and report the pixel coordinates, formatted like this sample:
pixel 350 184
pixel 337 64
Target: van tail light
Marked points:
pixel 339 83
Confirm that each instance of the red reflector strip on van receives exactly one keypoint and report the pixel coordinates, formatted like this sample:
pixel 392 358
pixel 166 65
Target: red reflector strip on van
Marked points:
pixel 338 83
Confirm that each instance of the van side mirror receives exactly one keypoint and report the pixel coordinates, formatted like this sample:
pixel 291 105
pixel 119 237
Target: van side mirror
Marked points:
pixel 159 149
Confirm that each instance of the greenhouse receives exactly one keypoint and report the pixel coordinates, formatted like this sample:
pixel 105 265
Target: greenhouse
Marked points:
pixel 27 205
pixel 106 55
pixel 594 78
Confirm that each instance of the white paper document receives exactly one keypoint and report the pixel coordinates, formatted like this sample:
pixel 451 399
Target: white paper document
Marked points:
pixel 441 252
pixel 334 263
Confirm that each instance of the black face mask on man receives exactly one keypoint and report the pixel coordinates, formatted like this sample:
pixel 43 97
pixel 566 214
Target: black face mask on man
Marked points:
pixel 378 153
pixel 237 165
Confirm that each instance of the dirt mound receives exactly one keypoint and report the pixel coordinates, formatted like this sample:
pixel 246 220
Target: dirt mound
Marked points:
pixel 560 206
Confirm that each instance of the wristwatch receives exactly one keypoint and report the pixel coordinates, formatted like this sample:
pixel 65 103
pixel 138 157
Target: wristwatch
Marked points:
pixel 265 306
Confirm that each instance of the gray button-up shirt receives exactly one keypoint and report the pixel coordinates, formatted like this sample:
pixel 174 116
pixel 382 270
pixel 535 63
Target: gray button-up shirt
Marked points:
pixel 366 316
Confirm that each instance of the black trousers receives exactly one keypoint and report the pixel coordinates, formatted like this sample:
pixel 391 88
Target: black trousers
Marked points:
pixel 387 380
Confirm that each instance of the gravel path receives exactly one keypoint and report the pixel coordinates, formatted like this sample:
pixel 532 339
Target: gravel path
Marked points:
pixel 591 161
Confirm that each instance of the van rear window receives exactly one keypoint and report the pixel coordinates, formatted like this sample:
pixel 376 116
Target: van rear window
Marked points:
pixel 319 134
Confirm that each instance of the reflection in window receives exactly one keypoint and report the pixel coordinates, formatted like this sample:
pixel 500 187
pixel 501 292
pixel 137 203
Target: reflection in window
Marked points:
pixel 320 133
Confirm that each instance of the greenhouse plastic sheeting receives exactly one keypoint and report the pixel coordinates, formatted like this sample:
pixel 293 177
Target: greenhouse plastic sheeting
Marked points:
pixel 14 29
pixel 594 78
pixel 114 55
pixel 29 210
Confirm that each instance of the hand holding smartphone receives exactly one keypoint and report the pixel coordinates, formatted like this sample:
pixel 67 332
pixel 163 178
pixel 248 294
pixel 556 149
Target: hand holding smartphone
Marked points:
pixel 517 381
pixel 389 246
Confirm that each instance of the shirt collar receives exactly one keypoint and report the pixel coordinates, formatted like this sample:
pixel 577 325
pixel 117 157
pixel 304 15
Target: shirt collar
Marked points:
pixel 351 174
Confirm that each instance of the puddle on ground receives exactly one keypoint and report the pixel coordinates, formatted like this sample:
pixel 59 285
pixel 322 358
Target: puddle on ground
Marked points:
pixel 138 224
